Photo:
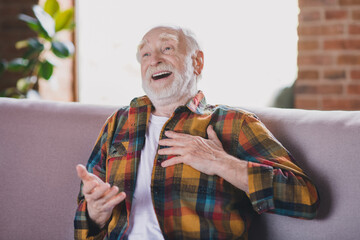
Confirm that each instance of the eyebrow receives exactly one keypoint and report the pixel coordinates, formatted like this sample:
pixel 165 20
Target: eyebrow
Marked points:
pixel 163 37
pixel 169 36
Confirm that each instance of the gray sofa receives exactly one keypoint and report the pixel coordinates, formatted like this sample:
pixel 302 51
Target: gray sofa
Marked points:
pixel 41 142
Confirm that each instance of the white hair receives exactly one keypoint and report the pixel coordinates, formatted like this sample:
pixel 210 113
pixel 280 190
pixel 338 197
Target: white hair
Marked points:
pixel 191 42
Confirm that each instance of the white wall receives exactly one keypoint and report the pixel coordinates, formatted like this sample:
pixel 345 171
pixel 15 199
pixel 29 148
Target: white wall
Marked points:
pixel 250 47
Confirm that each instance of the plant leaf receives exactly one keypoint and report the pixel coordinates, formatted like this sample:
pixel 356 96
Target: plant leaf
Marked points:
pixel 31 66
pixel 52 7
pixel 35 43
pixel 71 26
pixel 62 49
pixel 27 18
pixel 21 44
pixel 11 92
pixel 35 47
pixel 22 85
pixel 33 23
pixel 46 70
pixel 45 20
pixel 17 64
pixel 64 19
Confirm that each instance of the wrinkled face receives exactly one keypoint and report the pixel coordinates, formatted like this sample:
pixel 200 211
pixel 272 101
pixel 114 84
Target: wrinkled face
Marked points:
pixel 166 68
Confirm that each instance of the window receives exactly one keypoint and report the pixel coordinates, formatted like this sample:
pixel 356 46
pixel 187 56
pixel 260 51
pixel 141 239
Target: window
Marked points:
pixel 250 47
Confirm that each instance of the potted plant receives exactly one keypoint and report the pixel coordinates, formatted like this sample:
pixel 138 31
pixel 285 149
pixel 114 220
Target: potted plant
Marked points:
pixel 41 52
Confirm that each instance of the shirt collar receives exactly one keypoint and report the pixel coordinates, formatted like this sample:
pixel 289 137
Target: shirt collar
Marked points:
pixel 197 104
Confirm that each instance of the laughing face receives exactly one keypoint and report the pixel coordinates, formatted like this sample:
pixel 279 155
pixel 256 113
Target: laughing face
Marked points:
pixel 166 68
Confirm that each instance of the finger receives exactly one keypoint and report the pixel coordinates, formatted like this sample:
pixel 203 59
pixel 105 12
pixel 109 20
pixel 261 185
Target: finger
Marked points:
pixel 172 151
pixel 99 191
pixel 115 200
pixel 212 135
pixel 82 173
pixel 171 142
pixel 172 134
pixel 89 186
pixel 113 191
pixel 172 161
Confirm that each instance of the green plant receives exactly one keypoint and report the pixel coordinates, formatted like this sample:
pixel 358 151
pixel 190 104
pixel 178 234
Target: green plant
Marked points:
pixel 40 52
pixel 285 98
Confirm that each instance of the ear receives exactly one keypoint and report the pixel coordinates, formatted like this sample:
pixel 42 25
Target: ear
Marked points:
pixel 198 62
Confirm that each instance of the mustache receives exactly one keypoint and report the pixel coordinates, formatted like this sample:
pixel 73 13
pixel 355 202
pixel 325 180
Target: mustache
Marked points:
pixel 163 67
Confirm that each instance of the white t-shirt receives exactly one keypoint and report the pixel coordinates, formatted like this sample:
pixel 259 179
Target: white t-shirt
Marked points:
pixel 143 221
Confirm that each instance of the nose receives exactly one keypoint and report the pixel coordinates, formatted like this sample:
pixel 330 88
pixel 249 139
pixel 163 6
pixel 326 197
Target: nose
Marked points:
pixel 155 59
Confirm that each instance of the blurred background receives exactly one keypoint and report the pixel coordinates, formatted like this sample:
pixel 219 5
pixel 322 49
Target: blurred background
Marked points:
pixel 281 53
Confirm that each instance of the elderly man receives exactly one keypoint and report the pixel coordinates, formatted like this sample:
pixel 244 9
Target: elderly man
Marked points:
pixel 171 166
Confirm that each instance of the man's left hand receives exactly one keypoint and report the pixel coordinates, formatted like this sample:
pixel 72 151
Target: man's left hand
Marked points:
pixel 205 155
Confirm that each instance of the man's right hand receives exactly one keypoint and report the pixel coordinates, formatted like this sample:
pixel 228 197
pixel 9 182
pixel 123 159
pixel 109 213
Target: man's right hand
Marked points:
pixel 100 197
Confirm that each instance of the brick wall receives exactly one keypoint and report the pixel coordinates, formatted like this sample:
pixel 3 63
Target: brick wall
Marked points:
pixel 13 30
pixel 329 55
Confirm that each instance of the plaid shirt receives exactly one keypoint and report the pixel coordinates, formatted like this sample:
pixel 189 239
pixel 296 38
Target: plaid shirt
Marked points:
pixel 190 204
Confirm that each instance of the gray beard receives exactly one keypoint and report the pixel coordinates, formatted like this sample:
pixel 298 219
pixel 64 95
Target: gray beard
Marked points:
pixel 183 85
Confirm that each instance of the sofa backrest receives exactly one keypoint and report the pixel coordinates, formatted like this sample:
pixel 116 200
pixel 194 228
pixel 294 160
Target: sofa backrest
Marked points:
pixel 326 144
pixel 41 142
pixel 40 145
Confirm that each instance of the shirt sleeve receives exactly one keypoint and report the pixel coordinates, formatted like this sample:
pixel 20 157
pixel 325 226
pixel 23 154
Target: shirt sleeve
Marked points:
pixel 276 183
pixel 84 228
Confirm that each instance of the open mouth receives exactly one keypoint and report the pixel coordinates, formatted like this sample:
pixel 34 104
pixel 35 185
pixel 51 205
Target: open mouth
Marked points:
pixel 161 75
